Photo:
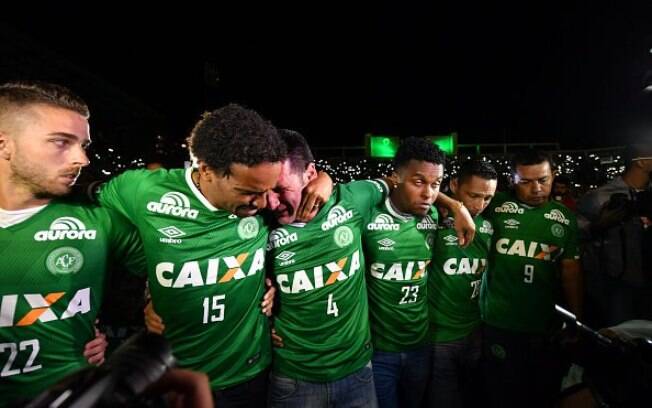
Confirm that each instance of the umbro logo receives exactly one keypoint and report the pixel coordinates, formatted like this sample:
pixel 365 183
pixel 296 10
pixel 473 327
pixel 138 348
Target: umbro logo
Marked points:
pixel 286 258
pixel 512 223
pixel 172 233
pixel 450 240
pixel 65 228
pixel 386 244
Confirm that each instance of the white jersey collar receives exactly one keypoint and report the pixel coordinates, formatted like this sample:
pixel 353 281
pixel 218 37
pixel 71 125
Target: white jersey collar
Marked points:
pixel 394 212
pixel 196 191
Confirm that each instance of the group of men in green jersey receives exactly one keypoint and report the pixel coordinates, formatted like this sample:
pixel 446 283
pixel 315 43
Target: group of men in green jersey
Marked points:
pixel 312 368
pixel 376 300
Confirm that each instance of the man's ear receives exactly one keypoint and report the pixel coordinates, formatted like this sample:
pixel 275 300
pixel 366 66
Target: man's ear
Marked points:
pixel 511 180
pixel 5 146
pixel 394 178
pixel 310 173
pixel 206 172
pixel 453 185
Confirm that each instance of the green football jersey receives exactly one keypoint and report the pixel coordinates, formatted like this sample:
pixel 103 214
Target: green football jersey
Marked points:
pixel 398 249
pixel 206 272
pixel 454 281
pixel 319 268
pixel 53 270
pixel 522 284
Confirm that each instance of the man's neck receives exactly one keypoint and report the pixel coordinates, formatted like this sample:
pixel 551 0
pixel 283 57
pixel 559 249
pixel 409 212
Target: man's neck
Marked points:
pixel 13 197
pixel 397 208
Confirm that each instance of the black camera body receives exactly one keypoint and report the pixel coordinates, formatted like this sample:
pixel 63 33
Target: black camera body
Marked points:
pixel 135 365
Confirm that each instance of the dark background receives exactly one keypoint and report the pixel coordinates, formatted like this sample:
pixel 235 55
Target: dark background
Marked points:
pixel 571 72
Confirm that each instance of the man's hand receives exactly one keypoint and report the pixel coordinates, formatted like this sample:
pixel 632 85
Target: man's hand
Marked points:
pixel 268 299
pixel 94 350
pixel 153 321
pixel 315 194
pixel 185 388
pixel 277 340
pixel 464 226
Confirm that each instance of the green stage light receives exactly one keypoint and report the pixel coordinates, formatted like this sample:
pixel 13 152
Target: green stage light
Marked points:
pixel 382 146
pixel 447 143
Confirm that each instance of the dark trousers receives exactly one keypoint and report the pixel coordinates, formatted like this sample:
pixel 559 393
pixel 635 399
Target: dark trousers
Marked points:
pixel 521 369
pixel 250 394
pixel 455 380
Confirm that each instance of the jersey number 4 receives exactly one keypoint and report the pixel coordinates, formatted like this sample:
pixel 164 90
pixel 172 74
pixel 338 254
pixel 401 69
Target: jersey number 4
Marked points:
pixel 331 307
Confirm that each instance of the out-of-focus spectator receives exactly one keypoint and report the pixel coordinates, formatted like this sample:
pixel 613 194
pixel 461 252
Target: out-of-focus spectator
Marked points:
pixel 614 221
pixel 562 192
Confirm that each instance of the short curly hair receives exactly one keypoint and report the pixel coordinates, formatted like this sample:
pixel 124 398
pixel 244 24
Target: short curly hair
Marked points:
pixel 476 167
pixel 233 134
pixel 18 94
pixel 414 148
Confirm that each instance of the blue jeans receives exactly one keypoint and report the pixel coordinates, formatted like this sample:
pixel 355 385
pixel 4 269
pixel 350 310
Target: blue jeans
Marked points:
pixel 401 378
pixel 454 381
pixel 353 391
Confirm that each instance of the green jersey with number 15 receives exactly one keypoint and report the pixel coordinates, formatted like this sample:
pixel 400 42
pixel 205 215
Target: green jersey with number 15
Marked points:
pixel 206 272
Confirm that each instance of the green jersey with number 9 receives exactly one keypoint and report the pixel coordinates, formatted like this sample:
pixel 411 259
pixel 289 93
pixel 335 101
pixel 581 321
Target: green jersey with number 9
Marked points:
pixel 522 283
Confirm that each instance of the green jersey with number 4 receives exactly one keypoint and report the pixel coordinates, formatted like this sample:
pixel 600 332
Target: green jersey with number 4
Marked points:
pixel 53 267
pixel 454 281
pixel 319 268
pixel 398 248
pixel 529 243
pixel 206 272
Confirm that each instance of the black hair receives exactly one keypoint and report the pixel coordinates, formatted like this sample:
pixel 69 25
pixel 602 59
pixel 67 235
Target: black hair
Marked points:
pixel 414 148
pixel 530 157
pixel 298 150
pixel 233 134
pixel 476 167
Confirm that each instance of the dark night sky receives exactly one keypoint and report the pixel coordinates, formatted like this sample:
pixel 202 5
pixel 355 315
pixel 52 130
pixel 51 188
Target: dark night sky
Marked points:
pixel 544 73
